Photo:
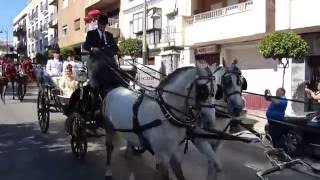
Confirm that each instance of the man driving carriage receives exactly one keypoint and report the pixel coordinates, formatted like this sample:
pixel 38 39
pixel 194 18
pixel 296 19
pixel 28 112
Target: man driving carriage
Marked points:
pixel 102 48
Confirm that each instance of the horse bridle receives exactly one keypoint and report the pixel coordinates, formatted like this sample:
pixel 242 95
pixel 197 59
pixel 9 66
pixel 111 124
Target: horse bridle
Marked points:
pixel 223 83
pixel 192 114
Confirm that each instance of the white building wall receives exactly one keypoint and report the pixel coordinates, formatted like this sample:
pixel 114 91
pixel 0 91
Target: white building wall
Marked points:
pixel 260 73
pixel 45 37
pixel 292 14
pixel 244 20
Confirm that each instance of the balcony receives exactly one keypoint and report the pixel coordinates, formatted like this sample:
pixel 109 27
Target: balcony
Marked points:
pixel 20 31
pixel 44 10
pixel 239 20
pixel 99 3
pixel 53 21
pixel 44 29
pixel 53 2
pixel 53 41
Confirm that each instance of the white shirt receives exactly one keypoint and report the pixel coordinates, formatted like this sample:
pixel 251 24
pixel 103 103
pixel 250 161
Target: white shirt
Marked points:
pixel 102 34
pixel 54 67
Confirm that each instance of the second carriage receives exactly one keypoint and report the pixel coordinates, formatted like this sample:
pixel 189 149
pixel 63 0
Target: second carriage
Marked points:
pixel 83 111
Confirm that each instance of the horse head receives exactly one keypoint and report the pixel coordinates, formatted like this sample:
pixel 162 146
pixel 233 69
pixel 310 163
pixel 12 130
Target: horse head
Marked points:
pixel 230 84
pixel 191 90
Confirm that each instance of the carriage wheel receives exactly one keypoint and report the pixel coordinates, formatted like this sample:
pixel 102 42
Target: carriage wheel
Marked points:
pixel 43 111
pixel 79 144
pixel 294 143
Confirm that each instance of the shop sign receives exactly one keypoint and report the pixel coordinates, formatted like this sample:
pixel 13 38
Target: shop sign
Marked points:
pixel 207 49
pixel 146 79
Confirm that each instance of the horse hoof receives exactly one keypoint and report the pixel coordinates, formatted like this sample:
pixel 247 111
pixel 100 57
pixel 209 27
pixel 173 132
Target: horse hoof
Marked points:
pixel 108 178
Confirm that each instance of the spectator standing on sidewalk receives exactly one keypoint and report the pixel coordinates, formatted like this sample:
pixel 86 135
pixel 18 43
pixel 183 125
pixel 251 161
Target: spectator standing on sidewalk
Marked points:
pixel 276 112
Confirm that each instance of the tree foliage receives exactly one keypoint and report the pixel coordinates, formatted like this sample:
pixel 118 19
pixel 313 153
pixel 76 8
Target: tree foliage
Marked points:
pixel 131 47
pixel 67 51
pixel 283 44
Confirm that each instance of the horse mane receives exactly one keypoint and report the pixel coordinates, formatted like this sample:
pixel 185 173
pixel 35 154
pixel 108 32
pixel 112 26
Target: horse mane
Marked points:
pixel 172 76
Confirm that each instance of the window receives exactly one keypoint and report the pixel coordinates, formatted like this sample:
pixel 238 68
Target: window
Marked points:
pixel 36 15
pixel 32 14
pixel 40 45
pixel 154 18
pixel 65 3
pixel 153 37
pixel 64 30
pixel 150 61
pixel 137 22
pixel 41 6
pixel 77 24
pixel 41 26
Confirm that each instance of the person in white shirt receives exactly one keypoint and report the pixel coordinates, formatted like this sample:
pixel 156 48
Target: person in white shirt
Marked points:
pixel 54 66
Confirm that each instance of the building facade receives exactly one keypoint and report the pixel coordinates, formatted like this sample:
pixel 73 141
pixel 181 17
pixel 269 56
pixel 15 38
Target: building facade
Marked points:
pixel 20 32
pixel 71 27
pixel 164 26
pixel 232 29
pixel 39 35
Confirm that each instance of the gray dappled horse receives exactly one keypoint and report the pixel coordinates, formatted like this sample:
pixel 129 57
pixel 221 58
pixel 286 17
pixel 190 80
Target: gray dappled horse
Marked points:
pixel 228 85
pixel 181 93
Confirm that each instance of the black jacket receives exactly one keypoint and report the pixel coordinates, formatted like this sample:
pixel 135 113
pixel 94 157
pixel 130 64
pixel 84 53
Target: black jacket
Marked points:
pixel 93 40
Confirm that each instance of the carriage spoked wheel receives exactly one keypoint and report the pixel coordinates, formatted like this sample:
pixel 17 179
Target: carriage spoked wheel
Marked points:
pixel 79 143
pixel 43 111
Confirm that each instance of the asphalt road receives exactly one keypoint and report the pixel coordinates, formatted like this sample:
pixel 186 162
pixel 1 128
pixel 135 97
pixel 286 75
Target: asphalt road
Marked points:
pixel 26 153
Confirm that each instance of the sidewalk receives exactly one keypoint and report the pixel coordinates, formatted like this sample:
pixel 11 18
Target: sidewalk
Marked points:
pixel 258 123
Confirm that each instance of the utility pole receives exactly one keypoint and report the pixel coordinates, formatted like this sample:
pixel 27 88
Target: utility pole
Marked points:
pixel 144 33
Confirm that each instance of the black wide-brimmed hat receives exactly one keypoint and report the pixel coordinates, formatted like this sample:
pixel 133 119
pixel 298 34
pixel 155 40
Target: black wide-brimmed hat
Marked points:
pixel 103 19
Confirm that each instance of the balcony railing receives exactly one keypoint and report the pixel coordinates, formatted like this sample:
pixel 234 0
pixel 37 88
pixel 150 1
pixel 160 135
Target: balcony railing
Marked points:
pixel 53 41
pixel 237 8
pixel 44 10
pixel 53 21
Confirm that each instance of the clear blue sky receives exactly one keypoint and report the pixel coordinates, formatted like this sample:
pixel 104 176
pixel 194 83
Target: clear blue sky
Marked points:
pixel 8 10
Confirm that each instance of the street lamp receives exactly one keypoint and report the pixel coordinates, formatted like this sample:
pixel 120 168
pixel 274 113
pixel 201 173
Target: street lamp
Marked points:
pixel 4 31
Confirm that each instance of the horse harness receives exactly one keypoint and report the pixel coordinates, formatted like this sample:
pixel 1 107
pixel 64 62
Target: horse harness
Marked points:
pixel 202 93
pixel 226 81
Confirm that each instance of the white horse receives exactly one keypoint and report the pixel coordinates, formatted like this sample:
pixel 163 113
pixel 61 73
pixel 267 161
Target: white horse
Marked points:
pixel 177 102
pixel 228 86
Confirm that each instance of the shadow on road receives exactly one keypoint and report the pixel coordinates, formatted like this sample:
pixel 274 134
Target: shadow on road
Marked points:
pixel 26 153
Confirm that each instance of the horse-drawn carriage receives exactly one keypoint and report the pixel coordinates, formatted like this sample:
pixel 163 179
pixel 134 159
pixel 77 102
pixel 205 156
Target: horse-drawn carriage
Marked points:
pixel 19 73
pixel 300 135
pixel 180 108
pixel 82 108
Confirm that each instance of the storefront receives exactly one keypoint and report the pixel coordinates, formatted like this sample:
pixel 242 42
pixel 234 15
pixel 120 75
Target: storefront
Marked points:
pixel 208 55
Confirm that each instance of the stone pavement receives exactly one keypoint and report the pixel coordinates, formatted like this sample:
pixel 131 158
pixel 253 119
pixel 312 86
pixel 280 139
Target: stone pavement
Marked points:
pixel 258 123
